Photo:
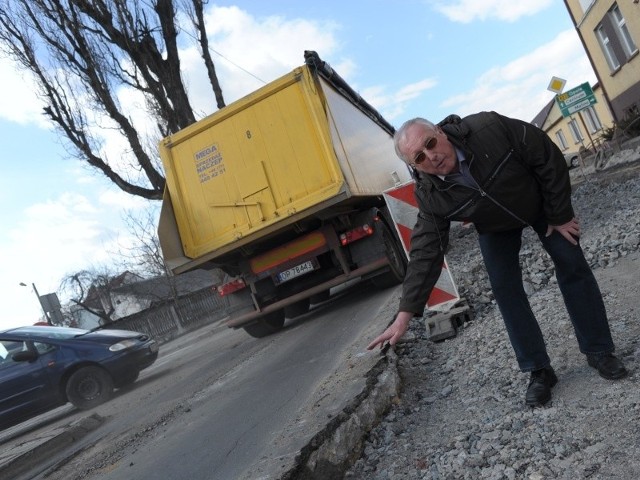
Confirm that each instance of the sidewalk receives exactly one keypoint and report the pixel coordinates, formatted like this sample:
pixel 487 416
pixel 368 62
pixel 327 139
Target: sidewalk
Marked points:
pixel 23 455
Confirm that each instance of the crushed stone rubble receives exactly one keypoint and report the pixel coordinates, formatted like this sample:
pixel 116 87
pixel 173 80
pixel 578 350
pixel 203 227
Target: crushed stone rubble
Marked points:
pixel 461 411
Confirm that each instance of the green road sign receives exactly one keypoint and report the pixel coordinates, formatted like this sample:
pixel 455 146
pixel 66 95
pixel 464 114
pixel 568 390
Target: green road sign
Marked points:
pixel 576 99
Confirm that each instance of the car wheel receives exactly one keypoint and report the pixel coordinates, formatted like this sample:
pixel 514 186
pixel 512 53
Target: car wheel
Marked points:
pixel 574 162
pixel 89 387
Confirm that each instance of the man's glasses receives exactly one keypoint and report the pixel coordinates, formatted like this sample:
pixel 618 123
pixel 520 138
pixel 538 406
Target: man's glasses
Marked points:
pixel 429 144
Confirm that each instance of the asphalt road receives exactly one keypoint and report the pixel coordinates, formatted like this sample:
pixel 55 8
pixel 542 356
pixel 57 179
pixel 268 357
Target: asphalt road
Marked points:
pixel 219 404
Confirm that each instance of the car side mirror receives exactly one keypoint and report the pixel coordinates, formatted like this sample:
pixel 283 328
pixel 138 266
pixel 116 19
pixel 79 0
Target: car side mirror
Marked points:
pixel 25 356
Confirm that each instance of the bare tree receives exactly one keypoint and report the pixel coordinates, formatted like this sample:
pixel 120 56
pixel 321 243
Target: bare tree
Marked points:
pixel 141 252
pixel 90 290
pixel 83 53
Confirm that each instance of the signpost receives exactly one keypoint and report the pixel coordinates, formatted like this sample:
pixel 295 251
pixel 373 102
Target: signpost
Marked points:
pixel 576 99
pixel 556 85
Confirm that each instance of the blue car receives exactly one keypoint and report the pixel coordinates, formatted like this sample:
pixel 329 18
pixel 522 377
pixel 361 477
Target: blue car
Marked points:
pixel 44 367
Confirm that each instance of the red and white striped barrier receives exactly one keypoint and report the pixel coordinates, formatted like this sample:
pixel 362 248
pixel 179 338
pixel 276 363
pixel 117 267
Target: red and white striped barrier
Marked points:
pixel 404 213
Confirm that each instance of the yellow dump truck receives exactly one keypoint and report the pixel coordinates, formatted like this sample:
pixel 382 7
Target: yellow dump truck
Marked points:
pixel 282 190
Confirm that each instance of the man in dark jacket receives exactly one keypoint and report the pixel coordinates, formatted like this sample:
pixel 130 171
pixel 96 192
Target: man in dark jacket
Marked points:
pixel 503 175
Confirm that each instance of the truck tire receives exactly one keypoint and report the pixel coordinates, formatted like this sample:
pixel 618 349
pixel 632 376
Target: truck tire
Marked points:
pixel 267 325
pixel 89 387
pixel 397 261
pixel 320 297
pixel 296 309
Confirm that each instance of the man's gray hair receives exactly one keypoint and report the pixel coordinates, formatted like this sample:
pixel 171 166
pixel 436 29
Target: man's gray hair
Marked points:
pixel 402 132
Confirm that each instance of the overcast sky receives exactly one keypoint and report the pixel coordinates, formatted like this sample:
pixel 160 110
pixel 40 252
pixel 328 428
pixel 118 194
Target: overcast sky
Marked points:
pixel 407 58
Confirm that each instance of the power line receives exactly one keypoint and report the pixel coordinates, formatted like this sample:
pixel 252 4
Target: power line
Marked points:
pixel 237 66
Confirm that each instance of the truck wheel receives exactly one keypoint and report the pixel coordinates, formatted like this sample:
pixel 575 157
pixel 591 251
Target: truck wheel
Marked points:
pixel 320 297
pixel 89 387
pixel 397 261
pixel 296 309
pixel 266 325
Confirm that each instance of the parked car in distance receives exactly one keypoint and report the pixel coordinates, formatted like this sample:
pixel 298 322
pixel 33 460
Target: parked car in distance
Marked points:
pixel 44 367
pixel 572 159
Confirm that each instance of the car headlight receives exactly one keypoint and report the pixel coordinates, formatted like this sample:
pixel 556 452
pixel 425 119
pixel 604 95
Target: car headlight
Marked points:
pixel 122 345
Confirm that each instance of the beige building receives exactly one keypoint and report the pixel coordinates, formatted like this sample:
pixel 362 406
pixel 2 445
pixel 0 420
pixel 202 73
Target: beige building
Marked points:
pixel 579 130
pixel 610 33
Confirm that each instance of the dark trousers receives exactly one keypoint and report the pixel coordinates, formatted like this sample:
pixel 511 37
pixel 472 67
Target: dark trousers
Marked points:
pixel 577 284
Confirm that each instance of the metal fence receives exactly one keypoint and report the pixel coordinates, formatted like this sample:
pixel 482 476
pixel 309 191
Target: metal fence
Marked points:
pixel 170 319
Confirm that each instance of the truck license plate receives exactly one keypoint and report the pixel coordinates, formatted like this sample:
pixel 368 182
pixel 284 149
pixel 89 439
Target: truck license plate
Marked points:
pixel 295 271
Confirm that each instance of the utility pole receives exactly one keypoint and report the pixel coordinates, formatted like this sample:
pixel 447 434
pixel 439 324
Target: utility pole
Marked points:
pixel 44 310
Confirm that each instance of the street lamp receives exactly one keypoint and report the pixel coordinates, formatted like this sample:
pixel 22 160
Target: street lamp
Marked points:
pixel 44 310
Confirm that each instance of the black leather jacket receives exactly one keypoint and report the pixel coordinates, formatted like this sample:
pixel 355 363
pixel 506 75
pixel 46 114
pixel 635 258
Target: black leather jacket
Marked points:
pixel 522 178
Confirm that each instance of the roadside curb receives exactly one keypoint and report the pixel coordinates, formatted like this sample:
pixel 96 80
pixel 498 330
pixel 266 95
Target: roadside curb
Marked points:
pixel 334 449
pixel 27 454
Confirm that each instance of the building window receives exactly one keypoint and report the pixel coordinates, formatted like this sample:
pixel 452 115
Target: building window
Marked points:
pixel 575 131
pixel 591 119
pixel 620 25
pixel 632 111
pixel 607 48
pixel 585 4
pixel 562 140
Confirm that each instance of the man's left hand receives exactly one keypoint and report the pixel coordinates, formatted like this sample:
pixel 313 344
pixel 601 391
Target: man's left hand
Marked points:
pixel 569 230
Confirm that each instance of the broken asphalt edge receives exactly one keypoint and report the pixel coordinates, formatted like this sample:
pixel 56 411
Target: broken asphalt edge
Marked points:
pixel 337 446
pixel 24 462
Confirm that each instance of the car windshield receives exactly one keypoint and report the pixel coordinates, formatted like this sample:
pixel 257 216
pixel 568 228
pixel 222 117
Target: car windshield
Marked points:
pixel 62 333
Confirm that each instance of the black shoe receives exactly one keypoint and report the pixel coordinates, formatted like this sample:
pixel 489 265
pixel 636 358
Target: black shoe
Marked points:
pixel 539 389
pixel 608 366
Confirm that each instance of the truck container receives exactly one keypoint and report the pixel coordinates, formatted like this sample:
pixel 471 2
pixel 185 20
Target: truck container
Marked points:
pixel 282 190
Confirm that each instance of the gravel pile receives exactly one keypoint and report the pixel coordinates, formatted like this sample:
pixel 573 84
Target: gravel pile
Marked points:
pixel 461 413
